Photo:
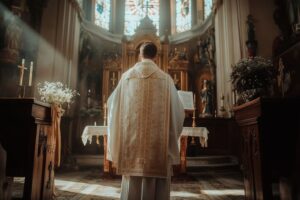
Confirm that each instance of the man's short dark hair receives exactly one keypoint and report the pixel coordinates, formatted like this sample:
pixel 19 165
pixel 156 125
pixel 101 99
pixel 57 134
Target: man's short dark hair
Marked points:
pixel 148 50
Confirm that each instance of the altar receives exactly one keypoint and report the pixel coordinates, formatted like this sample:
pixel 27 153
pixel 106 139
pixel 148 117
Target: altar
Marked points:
pixel 87 136
pixel 201 132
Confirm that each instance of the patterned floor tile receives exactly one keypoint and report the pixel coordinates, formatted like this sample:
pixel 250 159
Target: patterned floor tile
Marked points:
pixel 92 185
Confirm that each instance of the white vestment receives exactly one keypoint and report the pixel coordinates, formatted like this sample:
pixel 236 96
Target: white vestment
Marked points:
pixel 145 119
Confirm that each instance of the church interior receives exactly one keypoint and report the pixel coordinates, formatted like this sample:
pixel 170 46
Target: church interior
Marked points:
pixel 239 60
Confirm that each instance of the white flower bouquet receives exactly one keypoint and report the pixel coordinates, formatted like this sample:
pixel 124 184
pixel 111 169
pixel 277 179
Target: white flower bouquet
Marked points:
pixel 56 93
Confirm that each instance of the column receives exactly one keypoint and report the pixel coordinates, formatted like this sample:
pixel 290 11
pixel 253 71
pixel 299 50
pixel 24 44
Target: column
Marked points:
pixel 118 16
pixel 200 11
pixel 165 17
pixel 193 7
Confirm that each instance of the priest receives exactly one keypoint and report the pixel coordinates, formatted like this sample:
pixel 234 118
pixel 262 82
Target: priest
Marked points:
pixel 145 119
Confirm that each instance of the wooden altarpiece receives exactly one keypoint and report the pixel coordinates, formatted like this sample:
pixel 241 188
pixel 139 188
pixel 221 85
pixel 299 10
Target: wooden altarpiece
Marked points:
pixel 113 68
pixel 112 72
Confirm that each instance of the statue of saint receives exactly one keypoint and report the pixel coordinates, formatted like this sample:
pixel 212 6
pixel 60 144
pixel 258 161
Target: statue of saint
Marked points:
pixel 206 100
pixel 174 55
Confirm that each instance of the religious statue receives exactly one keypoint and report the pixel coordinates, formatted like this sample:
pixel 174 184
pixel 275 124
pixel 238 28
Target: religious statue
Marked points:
pixel 251 42
pixel 183 54
pixel 202 51
pixel 206 100
pixel 174 55
pixel 283 78
pixel 293 8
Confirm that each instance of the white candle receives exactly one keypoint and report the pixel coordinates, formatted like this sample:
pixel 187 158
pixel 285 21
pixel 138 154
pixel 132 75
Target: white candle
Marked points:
pixel 105 113
pixel 70 73
pixel 222 100
pixel 22 68
pixel 194 99
pixel 30 74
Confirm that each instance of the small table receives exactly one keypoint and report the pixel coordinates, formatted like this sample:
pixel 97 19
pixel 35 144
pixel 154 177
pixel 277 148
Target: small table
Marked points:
pixel 200 132
pixel 87 135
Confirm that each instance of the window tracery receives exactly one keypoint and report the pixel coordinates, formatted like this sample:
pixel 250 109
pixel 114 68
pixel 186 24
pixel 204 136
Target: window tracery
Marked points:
pixel 102 13
pixel 135 10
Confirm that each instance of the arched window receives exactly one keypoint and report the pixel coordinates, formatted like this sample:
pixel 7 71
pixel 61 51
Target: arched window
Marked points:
pixel 135 10
pixel 102 13
pixel 183 15
pixel 207 8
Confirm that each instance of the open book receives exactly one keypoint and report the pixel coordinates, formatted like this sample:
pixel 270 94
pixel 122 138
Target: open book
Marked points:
pixel 187 99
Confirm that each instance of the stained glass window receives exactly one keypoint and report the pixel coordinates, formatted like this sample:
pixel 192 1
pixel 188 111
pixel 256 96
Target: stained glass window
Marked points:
pixel 102 13
pixel 207 8
pixel 183 15
pixel 135 10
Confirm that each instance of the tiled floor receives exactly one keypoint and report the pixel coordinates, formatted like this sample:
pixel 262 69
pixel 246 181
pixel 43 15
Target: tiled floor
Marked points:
pixel 90 184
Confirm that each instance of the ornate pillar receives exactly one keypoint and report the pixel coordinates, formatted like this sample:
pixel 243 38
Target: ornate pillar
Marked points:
pixel 193 8
pixel 88 9
pixel 200 11
pixel 117 16
pixel 165 17
pixel 58 49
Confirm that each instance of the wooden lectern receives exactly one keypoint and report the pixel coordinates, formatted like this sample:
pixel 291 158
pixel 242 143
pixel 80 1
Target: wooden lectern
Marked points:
pixel 270 131
pixel 24 130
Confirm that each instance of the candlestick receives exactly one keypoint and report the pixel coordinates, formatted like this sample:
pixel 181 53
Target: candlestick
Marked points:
pixel 234 97
pixel 70 73
pixel 222 100
pixel 194 123
pixel 30 74
pixel 105 117
pixel 89 99
pixel 194 101
pixel 22 68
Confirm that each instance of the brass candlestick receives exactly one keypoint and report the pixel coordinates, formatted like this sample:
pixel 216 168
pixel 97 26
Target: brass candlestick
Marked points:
pixel 21 91
pixel 194 119
pixel 105 113
pixel 194 112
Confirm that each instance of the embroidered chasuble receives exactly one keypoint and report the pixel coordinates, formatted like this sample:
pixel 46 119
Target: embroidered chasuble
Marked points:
pixel 145 118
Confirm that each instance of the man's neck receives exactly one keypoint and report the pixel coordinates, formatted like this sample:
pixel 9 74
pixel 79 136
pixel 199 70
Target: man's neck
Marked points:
pixel 145 59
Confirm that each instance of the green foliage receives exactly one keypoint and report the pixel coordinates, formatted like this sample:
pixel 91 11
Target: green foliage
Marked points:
pixel 252 76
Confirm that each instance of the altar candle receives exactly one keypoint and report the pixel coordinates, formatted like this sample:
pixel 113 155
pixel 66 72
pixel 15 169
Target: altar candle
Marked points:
pixel 105 107
pixel 70 73
pixel 222 100
pixel 30 74
pixel 22 72
pixel 233 97
pixel 194 114
pixel 105 113
pixel 194 99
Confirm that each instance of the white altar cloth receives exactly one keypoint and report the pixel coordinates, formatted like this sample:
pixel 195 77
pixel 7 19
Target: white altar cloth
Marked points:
pixel 90 131
pixel 201 132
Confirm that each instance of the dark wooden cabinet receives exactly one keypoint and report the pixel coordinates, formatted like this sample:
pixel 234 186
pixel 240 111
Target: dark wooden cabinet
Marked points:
pixel 25 127
pixel 270 131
